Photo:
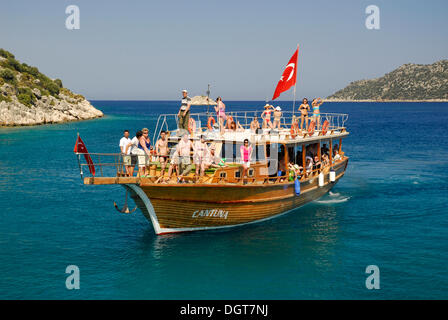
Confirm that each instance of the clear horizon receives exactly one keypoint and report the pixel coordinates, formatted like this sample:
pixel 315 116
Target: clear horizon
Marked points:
pixel 151 50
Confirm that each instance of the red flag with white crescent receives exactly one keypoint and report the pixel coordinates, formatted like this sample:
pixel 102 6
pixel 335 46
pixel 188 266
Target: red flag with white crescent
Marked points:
pixel 80 147
pixel 288 78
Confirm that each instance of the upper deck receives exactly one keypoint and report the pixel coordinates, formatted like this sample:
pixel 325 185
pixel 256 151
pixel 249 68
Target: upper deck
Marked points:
pixel 336 128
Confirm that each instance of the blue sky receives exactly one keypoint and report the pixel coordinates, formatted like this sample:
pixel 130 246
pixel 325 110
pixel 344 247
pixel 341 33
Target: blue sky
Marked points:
pixel 152 49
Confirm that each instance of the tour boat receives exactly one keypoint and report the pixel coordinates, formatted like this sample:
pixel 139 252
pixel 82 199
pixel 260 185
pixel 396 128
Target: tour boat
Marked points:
pixel 223 198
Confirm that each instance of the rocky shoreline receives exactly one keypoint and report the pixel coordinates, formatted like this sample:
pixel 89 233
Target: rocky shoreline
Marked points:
pixel 46 110
pixel 28 97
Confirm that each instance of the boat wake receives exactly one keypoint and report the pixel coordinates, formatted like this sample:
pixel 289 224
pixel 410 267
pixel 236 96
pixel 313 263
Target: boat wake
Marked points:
pixel 335 198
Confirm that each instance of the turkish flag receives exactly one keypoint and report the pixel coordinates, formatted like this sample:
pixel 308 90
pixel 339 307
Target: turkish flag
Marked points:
pixel 288 78
pixel 80 147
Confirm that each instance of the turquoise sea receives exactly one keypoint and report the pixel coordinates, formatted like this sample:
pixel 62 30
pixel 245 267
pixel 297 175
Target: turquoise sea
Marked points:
pixel 389 210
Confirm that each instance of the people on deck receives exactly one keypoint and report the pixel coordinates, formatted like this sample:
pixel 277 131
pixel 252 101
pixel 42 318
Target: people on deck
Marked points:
pixel 235 127
pixel 162 152
pixel 304 108
pixel 316 112
pixel 336 155
pixel 277 118
pixel 308 166
pixel 200 152
pixel 184 111
pixel 126 153
pixel 134 150
pixel 213 160
pixel 246 155
pixel 144 144
pixel 220 112
pixel 266 116
pixel 254 125
pixel 183 149
pixel 317 165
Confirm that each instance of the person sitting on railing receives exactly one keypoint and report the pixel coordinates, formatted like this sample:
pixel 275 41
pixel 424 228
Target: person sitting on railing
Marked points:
pixel 220 112
pixel 162 151
pixel 317 165
pixel 184 148
pixel 235 127
pixel 325 160
pixel 304 108
pixel 316 112
pixel 246 155
pixel 277 118
pixel 336 155
pixel 213 160
pixel 308 166
pixel 266 116
pixel 184 111
pixel 200 151
pixel 294 171
pixel 134 150
pixel 254 125
pixel 126 153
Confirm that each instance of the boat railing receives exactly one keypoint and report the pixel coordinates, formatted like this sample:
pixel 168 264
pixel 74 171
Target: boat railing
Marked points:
pixel 169 122
pixel 111 165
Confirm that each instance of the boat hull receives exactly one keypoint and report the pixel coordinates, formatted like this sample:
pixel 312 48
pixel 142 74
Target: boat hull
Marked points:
pixel 185 207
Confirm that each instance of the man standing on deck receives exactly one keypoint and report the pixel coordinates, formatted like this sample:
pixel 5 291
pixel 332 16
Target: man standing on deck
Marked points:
pixel 184 148
pixel 184 111
pixel 126 153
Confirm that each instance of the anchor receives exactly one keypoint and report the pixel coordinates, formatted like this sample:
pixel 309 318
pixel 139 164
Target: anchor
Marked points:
pixel 125 208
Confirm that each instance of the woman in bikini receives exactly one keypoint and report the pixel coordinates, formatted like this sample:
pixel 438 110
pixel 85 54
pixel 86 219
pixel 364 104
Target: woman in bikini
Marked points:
pixel 304 108
pixel 277 118
pixel 316 112
pixel 220 111
pixel 266 116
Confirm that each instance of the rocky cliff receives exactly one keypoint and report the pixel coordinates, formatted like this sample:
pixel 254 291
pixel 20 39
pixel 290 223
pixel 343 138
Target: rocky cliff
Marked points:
pixel 410 82
pixel 28 97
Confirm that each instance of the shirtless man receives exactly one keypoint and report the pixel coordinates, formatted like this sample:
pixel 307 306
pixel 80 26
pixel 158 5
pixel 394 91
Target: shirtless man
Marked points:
pixel 162 152
pixel 183 149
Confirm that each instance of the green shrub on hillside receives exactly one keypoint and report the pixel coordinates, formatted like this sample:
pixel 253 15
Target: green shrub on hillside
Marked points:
pixel 6 54
pixel 26 96
pixel 59 83
pixel 8 76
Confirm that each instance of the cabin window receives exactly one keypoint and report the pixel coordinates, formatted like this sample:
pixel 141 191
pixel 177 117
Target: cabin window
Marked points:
pixel 250 172
pixel 237 174
pixel 223 174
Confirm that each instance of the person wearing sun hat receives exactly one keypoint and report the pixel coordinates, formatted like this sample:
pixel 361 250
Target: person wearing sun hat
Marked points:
pixel 277 118
pixel 266 116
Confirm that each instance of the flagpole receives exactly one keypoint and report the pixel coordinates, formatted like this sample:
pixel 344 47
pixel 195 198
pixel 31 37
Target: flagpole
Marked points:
pixel 295 84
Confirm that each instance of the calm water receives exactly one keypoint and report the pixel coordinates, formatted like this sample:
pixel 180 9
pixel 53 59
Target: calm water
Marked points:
pixel 389 210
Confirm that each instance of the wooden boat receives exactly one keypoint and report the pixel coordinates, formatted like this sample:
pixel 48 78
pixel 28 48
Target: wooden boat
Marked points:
pixel 223 198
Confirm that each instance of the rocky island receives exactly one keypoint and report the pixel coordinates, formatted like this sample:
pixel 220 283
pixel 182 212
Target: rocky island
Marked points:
pixel 28 97
pixel 410 82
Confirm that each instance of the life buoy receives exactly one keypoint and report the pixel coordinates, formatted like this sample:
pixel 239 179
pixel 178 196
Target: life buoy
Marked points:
pixel 311 128
pixel 294 129
pixel 209 123
pixel 229 121
pixel 191 125
pixel 325 127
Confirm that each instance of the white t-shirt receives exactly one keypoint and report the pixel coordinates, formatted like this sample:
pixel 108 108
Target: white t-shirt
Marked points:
pixel 134 145
pixel 123 143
